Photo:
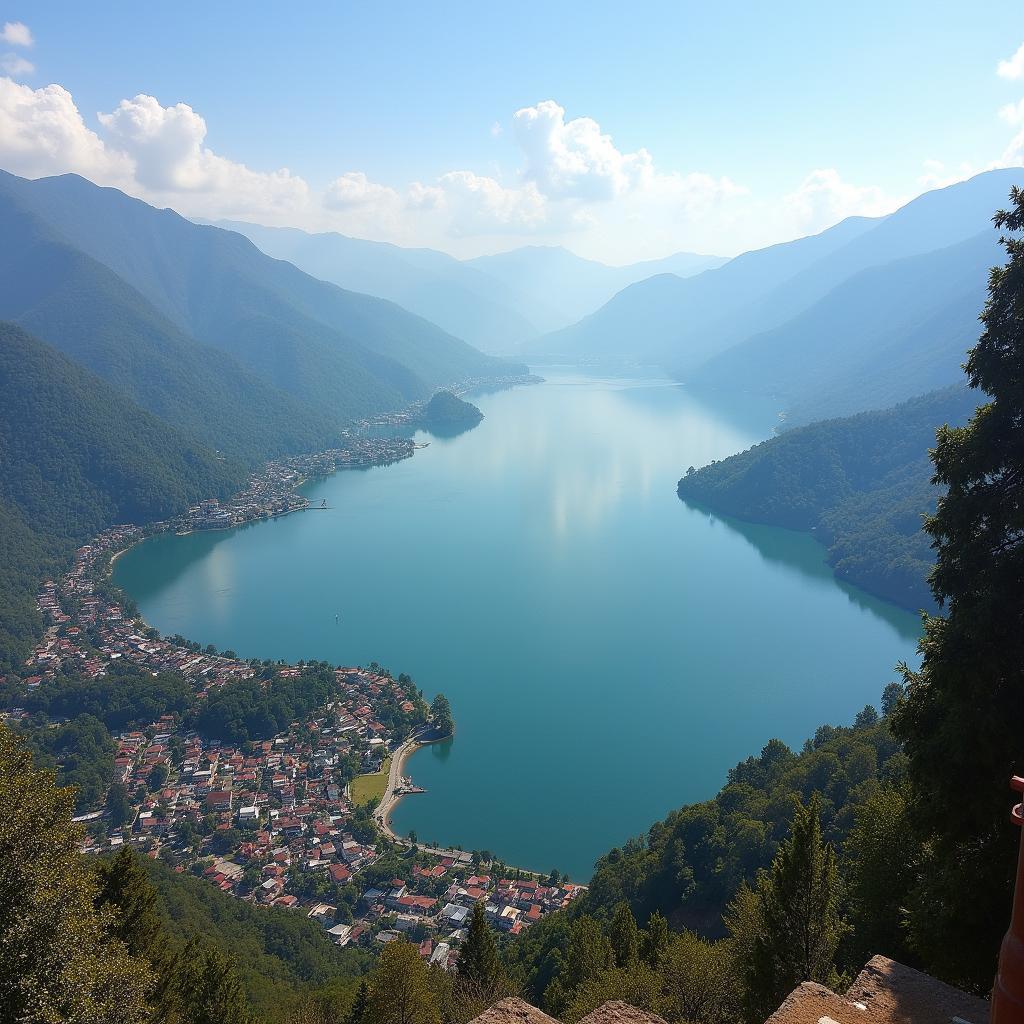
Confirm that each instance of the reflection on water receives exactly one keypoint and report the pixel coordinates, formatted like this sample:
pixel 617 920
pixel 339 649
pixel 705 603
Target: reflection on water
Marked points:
pixel 609 652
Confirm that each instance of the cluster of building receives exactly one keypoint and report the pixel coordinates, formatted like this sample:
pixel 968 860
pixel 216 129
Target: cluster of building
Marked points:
pixel 272 492
pixel 271 822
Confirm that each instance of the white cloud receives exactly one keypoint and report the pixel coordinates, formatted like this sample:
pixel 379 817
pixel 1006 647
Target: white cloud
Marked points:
pixel 824 199
pixel 1013 113
pixel 354 189
pixel 166 147
pixel 16 33
pixel 938 175
pixel 1014 67
pixel 42 132
pixel 15 65
pixel 479 205
pixel 575 159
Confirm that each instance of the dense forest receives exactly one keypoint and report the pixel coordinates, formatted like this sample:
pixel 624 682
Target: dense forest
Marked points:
pixel 862 484
pixel 75 457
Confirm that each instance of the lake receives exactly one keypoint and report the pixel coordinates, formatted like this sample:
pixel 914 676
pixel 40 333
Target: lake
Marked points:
pixel 608 651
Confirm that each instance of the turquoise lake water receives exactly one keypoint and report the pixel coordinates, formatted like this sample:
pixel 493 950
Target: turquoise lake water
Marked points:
pixel 609 652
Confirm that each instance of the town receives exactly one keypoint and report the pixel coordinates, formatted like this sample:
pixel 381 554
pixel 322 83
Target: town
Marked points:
pixel 271 818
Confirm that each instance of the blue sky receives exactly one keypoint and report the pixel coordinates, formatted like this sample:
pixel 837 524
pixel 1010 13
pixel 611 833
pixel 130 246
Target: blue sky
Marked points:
pixel 645 128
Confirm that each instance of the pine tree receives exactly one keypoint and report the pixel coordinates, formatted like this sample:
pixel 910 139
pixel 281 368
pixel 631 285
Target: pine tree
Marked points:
pixel 655 939
pixel 960 720
pixel 208 988
pixel 624 936
pixel 478 957
pixel 787 929
pixel 58 958
pixel 360 1005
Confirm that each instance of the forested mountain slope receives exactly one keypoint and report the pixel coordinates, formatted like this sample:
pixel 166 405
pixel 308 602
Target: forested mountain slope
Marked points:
pixel 75 457
pixel 82 308
pixel 682 325
pixel 456 296
pixel 884 335
pixel 314 339
pixel 861 484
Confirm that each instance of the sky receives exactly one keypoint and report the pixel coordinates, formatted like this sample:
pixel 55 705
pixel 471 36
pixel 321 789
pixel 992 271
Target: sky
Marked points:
pixel 621 131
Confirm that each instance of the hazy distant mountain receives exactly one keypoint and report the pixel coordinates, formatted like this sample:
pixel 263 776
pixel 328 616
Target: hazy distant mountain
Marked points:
pixel 323 344
pixel 561 287
pixel 449 293
pixel 681 324
pixel 494 302
pixel 82 308
pixel 667 319
pixel 883 335
pixel 861 483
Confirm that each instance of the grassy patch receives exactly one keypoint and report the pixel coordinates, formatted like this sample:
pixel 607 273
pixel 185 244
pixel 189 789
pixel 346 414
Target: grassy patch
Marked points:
pixel 371 787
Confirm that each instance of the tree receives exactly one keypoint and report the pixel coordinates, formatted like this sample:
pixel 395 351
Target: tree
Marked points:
pixel 624 936
pixel 441 714
pixel 699 982
pixel 655 939
pixel 960 719
pixel 361 1004
pixel 788 927
pixel 207 987
pixel 882 862
pixel 478 958
pixel 118 805
pixel 400 989
pixel 58 958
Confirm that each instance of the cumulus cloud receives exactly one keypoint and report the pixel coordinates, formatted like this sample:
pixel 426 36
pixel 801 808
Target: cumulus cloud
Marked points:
pixel 15 65
pixel 354 189
pixel 1014 67
pixel 575 159
pixel 42 132
pixel 16 33
pixel 823 199
pixel 166 147
pixel 481 205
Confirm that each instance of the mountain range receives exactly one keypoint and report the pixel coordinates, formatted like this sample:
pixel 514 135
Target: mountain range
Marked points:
pixel 867 313
pixel 195 320
pixel 496 303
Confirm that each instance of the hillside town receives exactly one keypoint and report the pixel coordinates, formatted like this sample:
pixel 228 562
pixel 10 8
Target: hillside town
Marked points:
pixel 271 820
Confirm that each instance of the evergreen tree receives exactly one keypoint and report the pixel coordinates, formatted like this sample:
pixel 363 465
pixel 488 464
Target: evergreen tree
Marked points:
pixel 361 1004
pixel 960 720
pixel 208 988
pixel 787 929
pixel 478 958
pixel 400 989
pixel 588 954
pixel 58 958
pixel 655 939
pixel 624 936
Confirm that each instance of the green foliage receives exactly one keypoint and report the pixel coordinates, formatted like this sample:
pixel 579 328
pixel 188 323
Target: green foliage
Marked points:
pixel 961 716
pixel 624 936
pixel 441 715
pixel 82 752
pixel 400 988
pixel 787 929
pixel 691 864
pixel 862 484
pixel 58 958
pixel 478 957
pixel 279 955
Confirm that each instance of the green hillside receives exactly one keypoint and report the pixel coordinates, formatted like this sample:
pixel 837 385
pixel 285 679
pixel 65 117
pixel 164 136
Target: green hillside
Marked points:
pixel 861 484
pixel 77 456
